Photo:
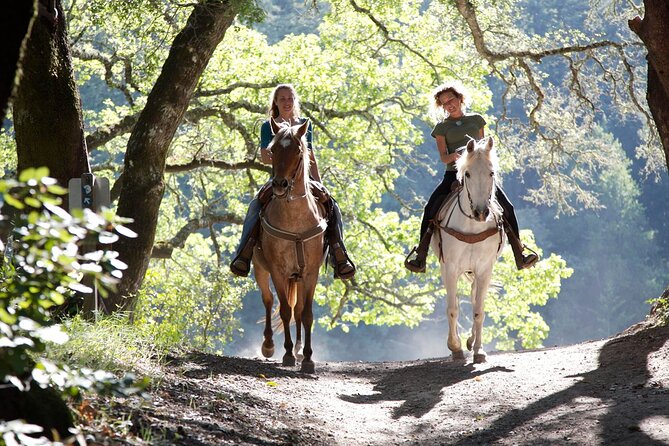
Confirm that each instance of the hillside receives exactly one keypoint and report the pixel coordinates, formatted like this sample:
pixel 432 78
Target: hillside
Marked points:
pixel 608 392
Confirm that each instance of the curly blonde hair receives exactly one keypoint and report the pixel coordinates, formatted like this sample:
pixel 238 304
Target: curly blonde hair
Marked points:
pixel 454 87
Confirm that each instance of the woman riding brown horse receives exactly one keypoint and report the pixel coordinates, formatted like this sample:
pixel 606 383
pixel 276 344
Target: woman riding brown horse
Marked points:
pixel 285 108
pixel 290 251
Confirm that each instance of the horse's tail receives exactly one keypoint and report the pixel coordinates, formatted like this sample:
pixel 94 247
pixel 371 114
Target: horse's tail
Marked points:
pixel 277 324
pixel 292 296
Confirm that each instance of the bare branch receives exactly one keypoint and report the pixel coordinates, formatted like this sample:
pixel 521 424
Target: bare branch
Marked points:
pixel 163 250
pixel 108 64
pixel 105 134
pixel 230 88
pixel 388 37
pixel 217 164
pixel 468 12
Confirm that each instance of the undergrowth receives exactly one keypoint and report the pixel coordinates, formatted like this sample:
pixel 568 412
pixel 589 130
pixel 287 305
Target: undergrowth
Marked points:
pixel 660 308
pixel 112 343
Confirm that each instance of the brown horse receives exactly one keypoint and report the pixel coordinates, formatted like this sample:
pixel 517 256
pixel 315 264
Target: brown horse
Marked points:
pixel 291 244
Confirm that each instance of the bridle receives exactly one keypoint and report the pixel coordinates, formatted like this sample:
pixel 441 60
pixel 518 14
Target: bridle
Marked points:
pixel 471 202
pixel 288 196
pixel 298 238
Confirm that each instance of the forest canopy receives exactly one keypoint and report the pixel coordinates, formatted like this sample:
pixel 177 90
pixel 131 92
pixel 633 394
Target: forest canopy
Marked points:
pixel 552 94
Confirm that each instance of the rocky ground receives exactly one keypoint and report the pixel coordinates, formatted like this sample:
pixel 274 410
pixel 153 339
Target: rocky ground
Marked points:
pixel 608 392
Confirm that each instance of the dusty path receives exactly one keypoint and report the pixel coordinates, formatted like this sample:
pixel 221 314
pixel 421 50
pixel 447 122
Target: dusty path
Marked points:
pixel 610 392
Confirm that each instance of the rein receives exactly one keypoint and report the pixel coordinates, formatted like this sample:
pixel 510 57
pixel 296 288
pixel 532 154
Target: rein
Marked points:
pixel 291 182
pixel 298 237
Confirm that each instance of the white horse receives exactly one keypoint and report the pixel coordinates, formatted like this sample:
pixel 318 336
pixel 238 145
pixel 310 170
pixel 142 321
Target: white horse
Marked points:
pixel 470 239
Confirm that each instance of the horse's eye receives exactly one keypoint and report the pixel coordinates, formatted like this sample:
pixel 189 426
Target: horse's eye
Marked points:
pixel 467 174
pixel 492 174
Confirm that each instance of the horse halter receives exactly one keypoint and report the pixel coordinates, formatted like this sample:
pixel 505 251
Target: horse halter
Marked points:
pixel 471 202
pixel 291 182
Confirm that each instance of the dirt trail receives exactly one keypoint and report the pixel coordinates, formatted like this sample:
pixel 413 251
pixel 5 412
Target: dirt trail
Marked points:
pixel 609 392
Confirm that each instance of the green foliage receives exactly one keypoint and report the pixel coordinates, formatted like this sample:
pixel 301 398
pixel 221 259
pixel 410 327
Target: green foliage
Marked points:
pixel 111 343
pixel 190 301
pixel 8 158
pixel 368 115
pixel 613 251
pixel 45 268
pixel 365 87
pixel 42 267
pixel 512 311
pixel 660 308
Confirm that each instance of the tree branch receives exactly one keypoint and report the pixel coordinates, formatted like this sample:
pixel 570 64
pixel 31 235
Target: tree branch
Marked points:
pixel 388 37
pixel 164 249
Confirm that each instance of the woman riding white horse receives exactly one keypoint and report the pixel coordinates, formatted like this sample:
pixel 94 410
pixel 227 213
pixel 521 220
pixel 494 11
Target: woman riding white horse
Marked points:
pixel 452 133
pixel 469 239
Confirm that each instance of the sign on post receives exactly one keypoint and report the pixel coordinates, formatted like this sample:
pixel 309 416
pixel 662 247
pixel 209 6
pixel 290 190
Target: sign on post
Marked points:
pixel 89 192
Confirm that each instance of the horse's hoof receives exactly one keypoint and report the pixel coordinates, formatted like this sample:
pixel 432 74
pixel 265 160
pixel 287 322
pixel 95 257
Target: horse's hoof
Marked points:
pixel 479 358
pixel 267 352
pixel 307 367
pixel 470 342
pixel 288 361
pixel 458 355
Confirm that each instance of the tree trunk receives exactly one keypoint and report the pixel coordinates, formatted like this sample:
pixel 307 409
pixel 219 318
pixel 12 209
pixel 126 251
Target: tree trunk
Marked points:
pixel 15 24
pixel 14 28
pixel 47 109
pixel 144 169
pixel 653 31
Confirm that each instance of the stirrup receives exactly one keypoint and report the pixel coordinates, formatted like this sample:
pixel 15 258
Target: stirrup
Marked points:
pixel 414 265
pixel 347 275
pixel 238 269
pixel 528 260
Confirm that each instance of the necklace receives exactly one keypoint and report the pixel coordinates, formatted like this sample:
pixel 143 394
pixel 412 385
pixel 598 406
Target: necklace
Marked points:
pixel 457 121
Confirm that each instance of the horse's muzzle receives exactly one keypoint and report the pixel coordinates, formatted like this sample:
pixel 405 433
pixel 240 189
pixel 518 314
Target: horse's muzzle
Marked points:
pixel 280 186
pixel 481 215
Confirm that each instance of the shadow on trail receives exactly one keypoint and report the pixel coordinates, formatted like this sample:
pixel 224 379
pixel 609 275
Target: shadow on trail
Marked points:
pixel 205 414
pixel 419 386
pixel 202 365
pixel 623 364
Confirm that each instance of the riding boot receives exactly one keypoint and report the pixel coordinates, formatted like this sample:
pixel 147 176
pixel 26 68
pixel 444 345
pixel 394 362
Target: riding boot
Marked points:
pixel 522 261
pixel 241 264
pixel 417 265
pixel 344 268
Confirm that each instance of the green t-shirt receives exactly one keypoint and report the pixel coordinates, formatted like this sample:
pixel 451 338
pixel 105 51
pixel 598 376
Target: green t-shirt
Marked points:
pixel 458 132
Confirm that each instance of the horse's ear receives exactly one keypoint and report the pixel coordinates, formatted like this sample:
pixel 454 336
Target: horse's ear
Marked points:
pixel 302 129
pixel 273 124
pixel 489 144
pixel 470 145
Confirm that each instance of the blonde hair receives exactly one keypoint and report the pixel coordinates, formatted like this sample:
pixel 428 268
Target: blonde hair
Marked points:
pixel 273 109
pixel 455 87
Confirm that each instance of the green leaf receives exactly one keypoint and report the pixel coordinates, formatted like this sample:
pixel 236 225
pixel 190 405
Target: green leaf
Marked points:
pixel 30 201
pixel 10 200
